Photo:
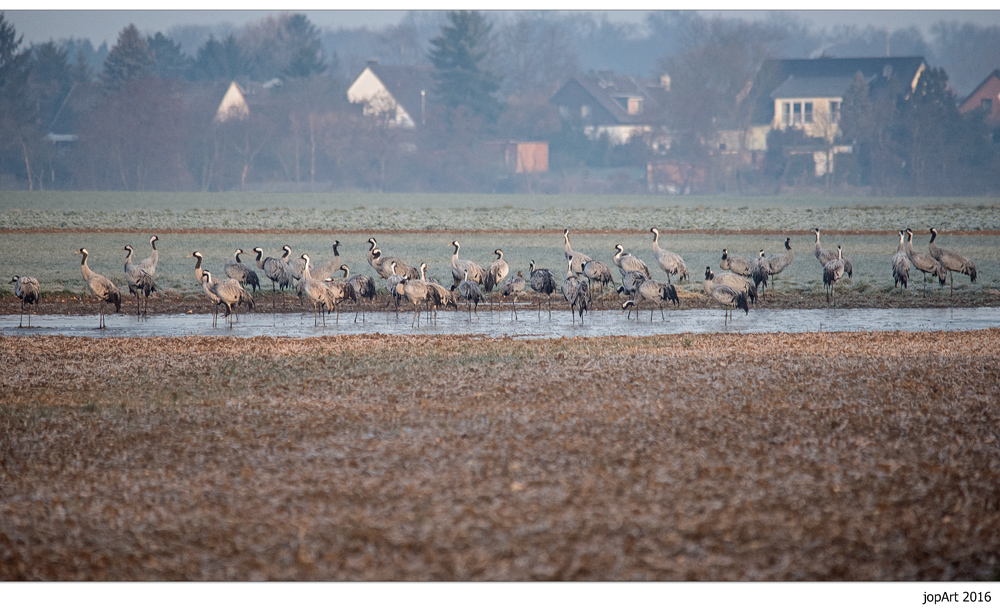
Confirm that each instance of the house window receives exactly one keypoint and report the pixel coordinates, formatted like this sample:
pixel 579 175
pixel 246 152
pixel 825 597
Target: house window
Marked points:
pixel 987 105
pixel 796 113
pixel 835 112
pixel 808 112
pixel 786 114
pixel 634 106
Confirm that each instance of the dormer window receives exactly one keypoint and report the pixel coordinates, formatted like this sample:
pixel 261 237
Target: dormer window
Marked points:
pixel 631 104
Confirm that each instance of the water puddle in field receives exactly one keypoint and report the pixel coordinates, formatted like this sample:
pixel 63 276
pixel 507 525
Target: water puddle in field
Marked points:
pixel 527 325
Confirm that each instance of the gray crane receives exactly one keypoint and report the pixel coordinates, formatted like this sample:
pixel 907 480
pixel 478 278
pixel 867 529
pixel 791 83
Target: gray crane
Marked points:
pixel 598 272
pixel 760 262
pixel 630 284
pixel 832 272
pixel 470 292
pixel 149 264
pixel 391 282
pixel 670 262
pixel 229 292
pixel 900 265
pixel 416 292
pixel 364 289
pixel 315 291
pixel 512 287
pixel 459 267
pixel 924 262
pixel 576 259
pixel 825 256
pixel 339 290
pixel 242 273
pixel 627 262
pixel 654 292
pixel 777 263
pixel 381 263
pixel 952 261
pixel 140 281
pixel 443 297
pixel 737 282
pixel 26 289
pixel 495 273
pixel 278 270
pixel 743 266
pixel 729 298
pixel 575 291
pixel 199 275
pixel 543 283
pixel 100 287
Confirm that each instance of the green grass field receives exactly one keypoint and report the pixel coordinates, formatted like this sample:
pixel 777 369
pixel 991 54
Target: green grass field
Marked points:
pixel 598 223
pixel 121 210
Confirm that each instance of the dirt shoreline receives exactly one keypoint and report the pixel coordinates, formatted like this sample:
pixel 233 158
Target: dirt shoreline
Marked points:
pixel 175 302
pixel 836 456
pixel 665 232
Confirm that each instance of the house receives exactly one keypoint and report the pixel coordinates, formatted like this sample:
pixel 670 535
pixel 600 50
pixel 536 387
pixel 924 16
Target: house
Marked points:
pixel 402 92
pixel 807 94
pixel 616 105
pixel 985 97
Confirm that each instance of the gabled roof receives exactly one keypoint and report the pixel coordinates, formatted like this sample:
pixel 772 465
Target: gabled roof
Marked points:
pixel 993 75
pixel 612 92
pixel 812 87
pixel 775 73
pixel 81 98
pixel 405 84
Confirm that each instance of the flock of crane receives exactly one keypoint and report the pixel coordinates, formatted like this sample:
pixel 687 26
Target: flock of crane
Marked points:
pixel 736 288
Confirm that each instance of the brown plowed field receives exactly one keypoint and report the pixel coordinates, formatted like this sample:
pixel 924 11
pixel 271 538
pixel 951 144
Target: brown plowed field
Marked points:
pixel 855 456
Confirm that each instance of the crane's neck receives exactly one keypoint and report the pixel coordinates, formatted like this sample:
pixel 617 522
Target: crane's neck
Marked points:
pixel 87 273
pixel 237 255
pixel 336 253
pixel 197 269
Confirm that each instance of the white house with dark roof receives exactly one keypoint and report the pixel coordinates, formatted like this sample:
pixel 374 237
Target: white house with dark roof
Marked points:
pixel 617 105
pixel 807 94
pixel 401 91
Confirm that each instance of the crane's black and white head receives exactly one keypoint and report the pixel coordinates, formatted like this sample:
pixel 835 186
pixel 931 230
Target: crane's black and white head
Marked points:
pixel 372 242
pixel 206 276
pixel 788 244
pixel 816 231
pixel 336 243
pixel 725 254
pixel 761 253
pixel 305 258
pixel 14 279
pixel 152 242
pixel 259 251
pixel 619 248
pixel 128 247
pixel 628 304
pixel 655 232
pixel 239 251
pixel 83 251
pixel 196 254
pixel 346 270
pixel 566 232
pixel 287 249
pixel 376 253
pixel 498 253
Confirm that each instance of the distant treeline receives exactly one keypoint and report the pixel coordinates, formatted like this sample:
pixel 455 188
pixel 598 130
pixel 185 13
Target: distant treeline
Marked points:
pixel 142 112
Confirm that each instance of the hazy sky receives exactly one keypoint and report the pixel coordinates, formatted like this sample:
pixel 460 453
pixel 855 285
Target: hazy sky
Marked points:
pixel 104 25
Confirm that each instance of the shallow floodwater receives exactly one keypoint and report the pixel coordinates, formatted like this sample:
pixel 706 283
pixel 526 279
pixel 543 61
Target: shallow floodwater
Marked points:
pixel 527 325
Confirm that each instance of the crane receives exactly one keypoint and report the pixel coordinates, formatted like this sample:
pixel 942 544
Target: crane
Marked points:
pixel 242 273
pixel 100 287
pixel 729 298
pixel 459 267
pixel 900 265
pixel 576 259
pixel 924 262
pixel 542 282
pixel 952 261
pixel 26 289
pixel 670 262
